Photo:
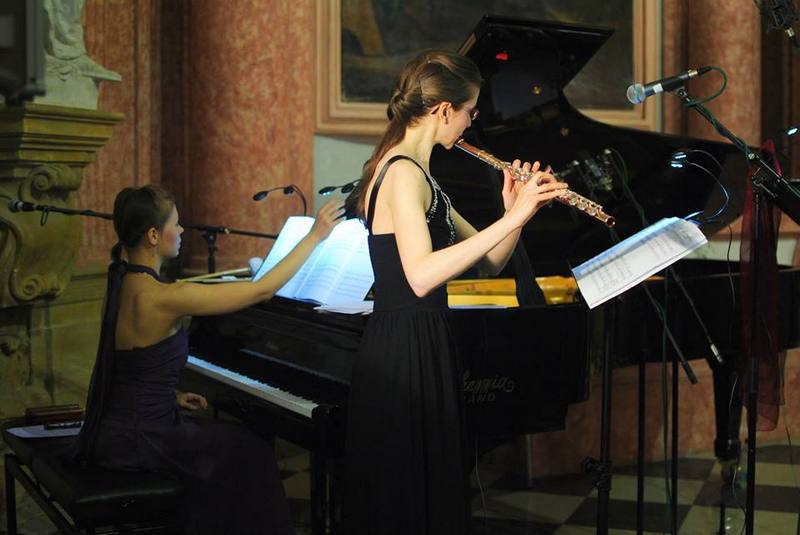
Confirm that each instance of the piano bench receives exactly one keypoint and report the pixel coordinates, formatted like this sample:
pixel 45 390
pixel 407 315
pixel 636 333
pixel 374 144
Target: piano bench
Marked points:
pixel 87 500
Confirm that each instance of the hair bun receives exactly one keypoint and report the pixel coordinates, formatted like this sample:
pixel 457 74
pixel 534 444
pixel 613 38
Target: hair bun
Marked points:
pixel 398 108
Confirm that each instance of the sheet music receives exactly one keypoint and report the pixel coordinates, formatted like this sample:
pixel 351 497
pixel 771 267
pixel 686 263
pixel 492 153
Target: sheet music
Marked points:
pixel 631 261
pixel 338 271
pixel 294 230
pixel 356 280
pixel 356 307
pixel 342 273
pixel 38 431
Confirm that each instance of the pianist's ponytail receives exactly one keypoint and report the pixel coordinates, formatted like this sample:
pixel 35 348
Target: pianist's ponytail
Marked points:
pixel 434 76
pixel 137 210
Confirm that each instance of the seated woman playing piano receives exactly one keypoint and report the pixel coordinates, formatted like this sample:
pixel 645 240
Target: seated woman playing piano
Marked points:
pixel 133 420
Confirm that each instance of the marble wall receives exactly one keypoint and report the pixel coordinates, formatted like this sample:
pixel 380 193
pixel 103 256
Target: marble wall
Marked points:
pixel 217 102
pixel 217 98
pixel 124 36
pixel 250 124
pixel 714 33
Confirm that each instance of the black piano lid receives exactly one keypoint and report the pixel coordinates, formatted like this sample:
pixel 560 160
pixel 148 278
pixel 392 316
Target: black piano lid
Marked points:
pixel 544 54
pixel 525 114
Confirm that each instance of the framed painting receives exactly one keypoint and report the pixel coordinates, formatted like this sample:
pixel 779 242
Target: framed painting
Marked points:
pixel 362 45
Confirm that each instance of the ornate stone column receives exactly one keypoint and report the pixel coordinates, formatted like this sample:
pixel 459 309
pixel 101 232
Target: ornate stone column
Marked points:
pixel 43 152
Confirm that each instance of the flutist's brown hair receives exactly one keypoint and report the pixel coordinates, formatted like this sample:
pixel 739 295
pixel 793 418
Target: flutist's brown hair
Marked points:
pixel 433 77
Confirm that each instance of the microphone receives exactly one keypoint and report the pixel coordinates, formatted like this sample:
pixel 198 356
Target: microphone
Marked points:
pixel 291 189
pixel 261 195
pixel 16 205
pixel 344 188
pixel 637 93
pixel 780 15
pixel 602 178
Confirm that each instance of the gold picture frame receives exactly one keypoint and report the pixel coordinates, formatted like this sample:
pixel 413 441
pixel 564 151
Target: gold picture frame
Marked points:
pixel 334 115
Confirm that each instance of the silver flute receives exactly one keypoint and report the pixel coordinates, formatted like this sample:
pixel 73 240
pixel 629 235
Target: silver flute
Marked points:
pixel 567 197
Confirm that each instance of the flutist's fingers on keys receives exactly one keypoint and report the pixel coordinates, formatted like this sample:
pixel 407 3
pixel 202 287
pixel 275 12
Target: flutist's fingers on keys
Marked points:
pixel 518 169
pixel 532 196
pixel 327 218
pixel 515 178
pixel 543 177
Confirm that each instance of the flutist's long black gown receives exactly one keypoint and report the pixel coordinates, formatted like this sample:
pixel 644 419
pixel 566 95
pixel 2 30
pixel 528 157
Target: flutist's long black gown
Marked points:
pixel 133 422
pixel 405 460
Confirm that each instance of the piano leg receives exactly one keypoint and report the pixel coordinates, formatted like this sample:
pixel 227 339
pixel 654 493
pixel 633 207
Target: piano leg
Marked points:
pixel 319 494
pixel 728 409
pixel 324 456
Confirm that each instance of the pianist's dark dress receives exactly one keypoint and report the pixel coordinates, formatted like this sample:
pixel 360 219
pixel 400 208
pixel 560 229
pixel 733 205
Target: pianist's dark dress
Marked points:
pixel 133 423
pixel 405 459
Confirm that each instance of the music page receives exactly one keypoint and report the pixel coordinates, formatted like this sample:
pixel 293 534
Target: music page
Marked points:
pixel 343 272
pixel 294 230
pixel 631 261
pixel 337 272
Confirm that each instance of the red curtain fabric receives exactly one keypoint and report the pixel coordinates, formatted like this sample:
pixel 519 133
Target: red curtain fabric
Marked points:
pixel 770 358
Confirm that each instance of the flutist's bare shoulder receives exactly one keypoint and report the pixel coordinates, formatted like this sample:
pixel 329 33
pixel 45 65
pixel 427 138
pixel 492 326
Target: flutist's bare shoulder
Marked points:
pixel 404 186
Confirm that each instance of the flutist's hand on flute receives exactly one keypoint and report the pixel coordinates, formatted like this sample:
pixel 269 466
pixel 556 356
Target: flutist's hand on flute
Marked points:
pixel 523 199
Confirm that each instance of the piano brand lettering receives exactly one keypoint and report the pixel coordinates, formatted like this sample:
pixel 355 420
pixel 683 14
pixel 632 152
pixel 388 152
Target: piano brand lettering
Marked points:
pixel 485 389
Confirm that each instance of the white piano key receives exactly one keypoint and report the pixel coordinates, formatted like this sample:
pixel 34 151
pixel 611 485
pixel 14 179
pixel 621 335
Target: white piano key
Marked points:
pixel 251 386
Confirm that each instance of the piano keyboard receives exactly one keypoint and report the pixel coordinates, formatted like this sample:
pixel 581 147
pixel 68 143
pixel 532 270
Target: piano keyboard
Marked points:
pixel 258 389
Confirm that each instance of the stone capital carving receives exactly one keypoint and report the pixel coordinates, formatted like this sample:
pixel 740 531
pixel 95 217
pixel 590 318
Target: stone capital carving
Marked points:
pixel 43 151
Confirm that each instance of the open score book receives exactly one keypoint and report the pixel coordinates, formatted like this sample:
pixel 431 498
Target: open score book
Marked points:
pixel 337 272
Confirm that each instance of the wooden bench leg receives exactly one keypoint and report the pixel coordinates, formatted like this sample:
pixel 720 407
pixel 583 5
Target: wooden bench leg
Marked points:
pixel 15 471
pixel 11 497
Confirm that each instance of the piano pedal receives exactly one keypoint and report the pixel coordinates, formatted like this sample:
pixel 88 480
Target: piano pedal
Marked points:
pixel 601 470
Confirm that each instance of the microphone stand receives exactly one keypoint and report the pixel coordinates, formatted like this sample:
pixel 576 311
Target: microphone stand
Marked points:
pixel 15 205
pixel 765 182
pixel 210 232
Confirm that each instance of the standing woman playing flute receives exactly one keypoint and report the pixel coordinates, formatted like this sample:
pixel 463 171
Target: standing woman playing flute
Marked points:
pixel 406 458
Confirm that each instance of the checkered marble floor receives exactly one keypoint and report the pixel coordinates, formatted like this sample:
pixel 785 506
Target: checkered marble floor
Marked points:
pixel 567 505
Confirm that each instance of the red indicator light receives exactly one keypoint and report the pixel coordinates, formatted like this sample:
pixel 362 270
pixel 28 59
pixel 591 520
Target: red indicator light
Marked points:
pixel 503 56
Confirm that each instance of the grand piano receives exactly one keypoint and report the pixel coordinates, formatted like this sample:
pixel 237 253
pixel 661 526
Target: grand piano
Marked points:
pixel 284 369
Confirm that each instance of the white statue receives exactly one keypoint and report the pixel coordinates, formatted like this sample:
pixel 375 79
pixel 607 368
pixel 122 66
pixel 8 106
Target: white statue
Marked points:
pixel 72 78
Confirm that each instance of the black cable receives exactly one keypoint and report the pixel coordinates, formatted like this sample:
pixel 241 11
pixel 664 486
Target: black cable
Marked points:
pixel 713 217
pixel 688 151
pixel 480 486
pixel 701 101
pixel 730 282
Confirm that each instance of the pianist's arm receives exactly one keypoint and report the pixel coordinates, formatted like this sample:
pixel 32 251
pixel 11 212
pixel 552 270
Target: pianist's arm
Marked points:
pixel 191 299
